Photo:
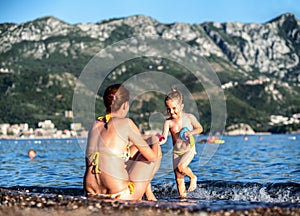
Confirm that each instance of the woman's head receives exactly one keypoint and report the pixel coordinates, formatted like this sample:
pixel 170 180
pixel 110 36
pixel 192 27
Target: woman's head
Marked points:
pixel 174 103
pixel 114 96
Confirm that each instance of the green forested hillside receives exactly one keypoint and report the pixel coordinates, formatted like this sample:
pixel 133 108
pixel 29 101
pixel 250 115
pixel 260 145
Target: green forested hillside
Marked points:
pixel 40 62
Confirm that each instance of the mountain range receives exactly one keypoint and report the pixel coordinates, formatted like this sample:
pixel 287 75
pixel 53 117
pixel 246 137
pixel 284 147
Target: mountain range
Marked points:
pixel 257 64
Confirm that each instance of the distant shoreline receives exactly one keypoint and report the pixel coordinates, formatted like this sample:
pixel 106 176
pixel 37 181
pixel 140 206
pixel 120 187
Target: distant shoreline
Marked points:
pixel 66 138
pixel 40 138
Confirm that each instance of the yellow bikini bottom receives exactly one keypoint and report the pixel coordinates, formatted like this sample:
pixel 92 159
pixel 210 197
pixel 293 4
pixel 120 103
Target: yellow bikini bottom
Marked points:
pixel 122 194
pixel 94 157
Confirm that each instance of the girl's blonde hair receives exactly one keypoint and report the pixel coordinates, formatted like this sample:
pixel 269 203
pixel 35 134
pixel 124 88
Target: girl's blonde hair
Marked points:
pixel 175 94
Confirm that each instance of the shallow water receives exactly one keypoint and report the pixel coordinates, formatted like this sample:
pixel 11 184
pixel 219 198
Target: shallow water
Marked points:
pixel 261 171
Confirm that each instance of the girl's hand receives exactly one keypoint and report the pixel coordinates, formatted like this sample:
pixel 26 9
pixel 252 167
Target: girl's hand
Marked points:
pixel 187 135
pixel 184 134
pixel 160 137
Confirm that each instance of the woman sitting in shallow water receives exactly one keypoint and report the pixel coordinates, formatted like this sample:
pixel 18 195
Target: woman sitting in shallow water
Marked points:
pixel 113 142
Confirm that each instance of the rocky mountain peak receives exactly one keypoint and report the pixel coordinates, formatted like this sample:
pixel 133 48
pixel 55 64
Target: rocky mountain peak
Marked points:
pixel 283 18
pixel 272 47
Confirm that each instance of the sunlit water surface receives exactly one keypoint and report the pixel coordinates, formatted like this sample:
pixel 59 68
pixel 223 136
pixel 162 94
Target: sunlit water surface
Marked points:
pixel 261 171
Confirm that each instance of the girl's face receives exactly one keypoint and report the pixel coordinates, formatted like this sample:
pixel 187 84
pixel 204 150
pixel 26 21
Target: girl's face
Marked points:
pixel 174 108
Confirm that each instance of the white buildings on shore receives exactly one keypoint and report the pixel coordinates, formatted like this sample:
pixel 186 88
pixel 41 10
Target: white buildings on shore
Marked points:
pixel 242 128
pixel 45 129
pixel 239 129
pixel 279 119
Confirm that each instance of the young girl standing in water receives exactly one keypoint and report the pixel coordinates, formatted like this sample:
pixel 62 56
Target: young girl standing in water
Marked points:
pixel 182 126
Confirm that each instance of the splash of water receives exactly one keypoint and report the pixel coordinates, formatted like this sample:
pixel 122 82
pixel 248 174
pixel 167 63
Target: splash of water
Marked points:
pixel 237 191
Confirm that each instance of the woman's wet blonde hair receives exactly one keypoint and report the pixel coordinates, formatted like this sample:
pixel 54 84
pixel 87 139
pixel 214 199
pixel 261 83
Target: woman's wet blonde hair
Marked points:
pixel 114 96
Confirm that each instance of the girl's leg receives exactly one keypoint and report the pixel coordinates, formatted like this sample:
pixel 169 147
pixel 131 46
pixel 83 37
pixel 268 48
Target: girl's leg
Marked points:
pixel 180 183
pixel 182 167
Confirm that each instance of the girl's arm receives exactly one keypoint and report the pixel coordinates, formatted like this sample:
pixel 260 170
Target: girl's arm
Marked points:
pixel 165 132
pixel 197 127
pixel 151 154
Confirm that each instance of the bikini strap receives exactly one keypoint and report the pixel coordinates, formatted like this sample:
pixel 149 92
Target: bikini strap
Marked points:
pixel 126 154
pixel 94 157
pixel 131 187
pixel 106 118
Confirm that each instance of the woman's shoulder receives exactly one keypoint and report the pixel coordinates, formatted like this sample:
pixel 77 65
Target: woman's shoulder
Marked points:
pixel 123 122
pixel 117 119
pixel 96 125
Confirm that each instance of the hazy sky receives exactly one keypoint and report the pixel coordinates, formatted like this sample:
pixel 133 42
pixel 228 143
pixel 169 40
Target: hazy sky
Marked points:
pixel 164 11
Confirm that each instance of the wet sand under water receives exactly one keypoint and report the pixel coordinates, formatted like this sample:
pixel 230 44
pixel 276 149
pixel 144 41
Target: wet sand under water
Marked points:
pixel 13 202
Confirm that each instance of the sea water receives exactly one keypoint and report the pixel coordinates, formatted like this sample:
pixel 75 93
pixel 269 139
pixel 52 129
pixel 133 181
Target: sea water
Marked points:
pixel 262 170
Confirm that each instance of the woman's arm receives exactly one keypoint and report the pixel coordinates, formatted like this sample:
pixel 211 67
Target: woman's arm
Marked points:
pixel 151 154
pixel 93 138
